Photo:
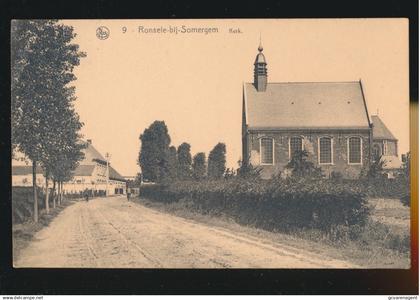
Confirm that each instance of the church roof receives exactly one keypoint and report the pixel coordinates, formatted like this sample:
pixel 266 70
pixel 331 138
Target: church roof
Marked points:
pixel 299 105
pixel 380 131
pixel 260 58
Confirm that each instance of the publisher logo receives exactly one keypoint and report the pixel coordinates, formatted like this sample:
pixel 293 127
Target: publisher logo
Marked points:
pixel 102 33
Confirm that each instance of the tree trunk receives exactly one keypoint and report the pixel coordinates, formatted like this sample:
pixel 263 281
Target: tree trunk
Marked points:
pixel 58 192
pixel 34 191
pixel 53 194
pixel 61 192
pixel 47 194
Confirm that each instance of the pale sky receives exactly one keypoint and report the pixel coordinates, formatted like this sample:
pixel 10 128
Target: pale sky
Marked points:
pixel 193 81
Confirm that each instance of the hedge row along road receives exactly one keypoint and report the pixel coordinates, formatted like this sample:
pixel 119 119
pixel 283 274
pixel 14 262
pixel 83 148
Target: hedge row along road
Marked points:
pixel 114 233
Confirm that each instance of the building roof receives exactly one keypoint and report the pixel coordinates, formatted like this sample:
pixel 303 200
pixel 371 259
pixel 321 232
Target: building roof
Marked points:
pixel 25 170
pixel 92 155
pixel 391 162
pixel 306 105
pixel 380 131
pixel 260 58
pixel 113 174
pixel 84 170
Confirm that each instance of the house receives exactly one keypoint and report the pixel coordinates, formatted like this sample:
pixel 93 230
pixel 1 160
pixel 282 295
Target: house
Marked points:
pixel 385 147
pixel 329 120
pixel 91 174
pixel 22 176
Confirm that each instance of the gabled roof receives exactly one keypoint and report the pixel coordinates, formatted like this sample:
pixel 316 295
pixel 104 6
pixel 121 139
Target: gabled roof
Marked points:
pixel 306 105
pixel 380 131
pixel 92 155
pixel 84 170
pixel 25 170
pixel 113 174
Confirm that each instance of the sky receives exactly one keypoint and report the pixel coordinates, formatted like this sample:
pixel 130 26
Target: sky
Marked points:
pixel 193 80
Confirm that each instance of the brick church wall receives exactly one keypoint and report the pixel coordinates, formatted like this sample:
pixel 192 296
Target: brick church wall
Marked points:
pixel 310 141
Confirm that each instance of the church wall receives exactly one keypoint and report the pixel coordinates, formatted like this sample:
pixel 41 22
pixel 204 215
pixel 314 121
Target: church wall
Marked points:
pixel 310 142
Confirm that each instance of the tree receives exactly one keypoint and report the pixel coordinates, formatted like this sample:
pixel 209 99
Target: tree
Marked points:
pixel 153 156
pixel 406 164
pixel 247 170
pixel 172 163
pixel 229 173
pixel 301 167
pixel 199 166
pixel 184 161
pixel 217 161
pixel 43 59
pixel 375 169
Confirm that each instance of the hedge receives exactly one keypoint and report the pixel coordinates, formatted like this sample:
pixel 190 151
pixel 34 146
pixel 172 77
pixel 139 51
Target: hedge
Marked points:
pixel 275 204
pixel 23 203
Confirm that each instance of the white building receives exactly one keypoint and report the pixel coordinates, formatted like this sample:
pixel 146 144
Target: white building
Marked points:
pixel 91 174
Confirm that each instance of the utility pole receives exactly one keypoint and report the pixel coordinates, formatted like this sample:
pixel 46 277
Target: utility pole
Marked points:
pixel 107 156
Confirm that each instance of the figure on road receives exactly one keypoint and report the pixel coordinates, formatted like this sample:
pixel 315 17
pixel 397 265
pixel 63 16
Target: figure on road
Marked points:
pixel 86 194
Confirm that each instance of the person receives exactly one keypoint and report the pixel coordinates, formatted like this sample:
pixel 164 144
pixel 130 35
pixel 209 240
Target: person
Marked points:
pixel 86 195
pixel 128 195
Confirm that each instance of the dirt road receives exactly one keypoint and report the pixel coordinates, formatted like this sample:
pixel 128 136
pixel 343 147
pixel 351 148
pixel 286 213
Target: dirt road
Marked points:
pixel 114 233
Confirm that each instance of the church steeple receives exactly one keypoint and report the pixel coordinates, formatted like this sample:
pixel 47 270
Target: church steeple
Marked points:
pixel 260 70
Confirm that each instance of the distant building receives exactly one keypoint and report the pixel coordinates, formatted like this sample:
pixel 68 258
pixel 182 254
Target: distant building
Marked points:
pixel 22 176
pixel 329 120
pixel 90 174
pixel 385 147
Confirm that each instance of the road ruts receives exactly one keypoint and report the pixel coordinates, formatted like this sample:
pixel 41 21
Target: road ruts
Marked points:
pixel 114 233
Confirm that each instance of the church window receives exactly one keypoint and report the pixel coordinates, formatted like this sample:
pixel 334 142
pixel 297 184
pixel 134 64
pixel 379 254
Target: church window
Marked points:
pixel 325 150
pixel 267 151
pixel 295 145
pixel 355 150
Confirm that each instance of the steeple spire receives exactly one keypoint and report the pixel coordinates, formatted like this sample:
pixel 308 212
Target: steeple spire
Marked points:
pixel 260 70
pixel 260 47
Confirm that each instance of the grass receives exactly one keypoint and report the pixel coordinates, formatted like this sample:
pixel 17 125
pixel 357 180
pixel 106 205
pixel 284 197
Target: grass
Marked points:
pixel 377 245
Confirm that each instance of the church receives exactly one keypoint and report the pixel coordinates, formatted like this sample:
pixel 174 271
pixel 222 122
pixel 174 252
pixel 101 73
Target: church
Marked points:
pixel 329 120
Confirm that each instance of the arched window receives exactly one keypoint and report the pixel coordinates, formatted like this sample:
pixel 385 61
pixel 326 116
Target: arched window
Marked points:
pixel 325 150
pixel 295 144
pixel 354 150
pixel 267 151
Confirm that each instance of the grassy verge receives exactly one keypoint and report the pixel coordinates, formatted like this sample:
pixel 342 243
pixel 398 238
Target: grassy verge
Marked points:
pixel 369 251
pixel 23 233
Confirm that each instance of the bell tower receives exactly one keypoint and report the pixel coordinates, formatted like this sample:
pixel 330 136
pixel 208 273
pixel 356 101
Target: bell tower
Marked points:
pixel 260 70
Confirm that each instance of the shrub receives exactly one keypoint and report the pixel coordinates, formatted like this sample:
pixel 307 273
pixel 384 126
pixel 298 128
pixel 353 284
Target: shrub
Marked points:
pixel 275 204
pixel 23 203
pixel 336 176
pixel 387 188
pixel 405 200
